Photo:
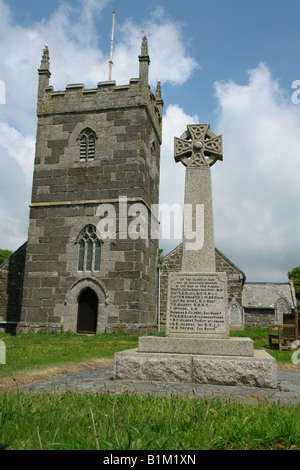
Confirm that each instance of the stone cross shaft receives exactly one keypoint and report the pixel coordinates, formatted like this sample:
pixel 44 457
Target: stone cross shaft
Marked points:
pixel 198 149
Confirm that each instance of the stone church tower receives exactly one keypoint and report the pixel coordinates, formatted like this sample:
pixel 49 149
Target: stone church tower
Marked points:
pixel 93 147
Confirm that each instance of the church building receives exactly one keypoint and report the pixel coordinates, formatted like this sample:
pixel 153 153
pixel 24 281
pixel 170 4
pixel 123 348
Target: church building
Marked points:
pixel 98 160
pixel 95 149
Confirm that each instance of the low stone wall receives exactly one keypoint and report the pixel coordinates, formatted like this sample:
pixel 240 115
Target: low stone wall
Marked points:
pixel 254 318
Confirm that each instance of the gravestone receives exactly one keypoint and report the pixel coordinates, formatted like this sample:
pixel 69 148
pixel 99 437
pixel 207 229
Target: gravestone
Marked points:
pixel 235 310
pixel 197 347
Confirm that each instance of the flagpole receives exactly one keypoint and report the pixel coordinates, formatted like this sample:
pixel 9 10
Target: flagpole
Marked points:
pixel 111 47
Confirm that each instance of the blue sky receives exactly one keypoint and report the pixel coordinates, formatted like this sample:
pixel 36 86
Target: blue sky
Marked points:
pixel 227 62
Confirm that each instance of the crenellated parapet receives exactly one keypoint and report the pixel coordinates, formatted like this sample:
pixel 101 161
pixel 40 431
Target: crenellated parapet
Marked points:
pixel 107 96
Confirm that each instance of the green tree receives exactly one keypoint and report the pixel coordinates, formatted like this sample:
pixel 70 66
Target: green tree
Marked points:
pixel 4 254
pixel 295 274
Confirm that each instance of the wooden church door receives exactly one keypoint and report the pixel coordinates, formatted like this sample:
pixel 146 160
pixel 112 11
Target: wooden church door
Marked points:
pixel 87 312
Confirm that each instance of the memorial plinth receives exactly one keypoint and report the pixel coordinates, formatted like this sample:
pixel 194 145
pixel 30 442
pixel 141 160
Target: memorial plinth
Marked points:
pixel 197 305
pixel 197 347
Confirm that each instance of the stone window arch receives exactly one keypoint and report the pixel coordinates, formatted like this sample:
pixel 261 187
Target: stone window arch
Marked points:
pixel 89 255
pixel 87 144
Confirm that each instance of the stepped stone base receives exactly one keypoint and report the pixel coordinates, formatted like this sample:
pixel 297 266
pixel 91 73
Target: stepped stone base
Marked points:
pixel 258 370
pixel 207 346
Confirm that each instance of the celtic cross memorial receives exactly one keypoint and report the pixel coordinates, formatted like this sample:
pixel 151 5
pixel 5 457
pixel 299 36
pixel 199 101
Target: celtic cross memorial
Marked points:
pixel 197 295
pixel 198 149
pixel 197 346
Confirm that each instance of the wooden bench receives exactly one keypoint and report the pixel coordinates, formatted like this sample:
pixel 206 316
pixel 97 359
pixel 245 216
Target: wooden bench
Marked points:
pixel 286 333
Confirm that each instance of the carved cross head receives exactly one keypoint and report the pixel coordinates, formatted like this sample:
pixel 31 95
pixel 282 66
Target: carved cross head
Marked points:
pixel 198 146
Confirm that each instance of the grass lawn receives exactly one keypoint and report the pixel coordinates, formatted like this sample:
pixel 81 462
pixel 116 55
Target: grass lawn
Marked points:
pixel 133 422
pixel 45 350
pixel 129 421
pixel 261 341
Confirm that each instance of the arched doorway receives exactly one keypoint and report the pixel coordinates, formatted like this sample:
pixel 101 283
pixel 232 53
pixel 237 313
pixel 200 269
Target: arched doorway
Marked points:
pixel 87 312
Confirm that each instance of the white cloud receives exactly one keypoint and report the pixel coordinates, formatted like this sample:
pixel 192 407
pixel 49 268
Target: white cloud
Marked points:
pixel 257 189
pixel 170 61
pixel 13 233
pixel 172 178
pixel 15 192
pixel 19 148
pixel 72 39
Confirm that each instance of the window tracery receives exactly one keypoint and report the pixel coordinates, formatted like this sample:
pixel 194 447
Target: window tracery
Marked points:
pixel 89 257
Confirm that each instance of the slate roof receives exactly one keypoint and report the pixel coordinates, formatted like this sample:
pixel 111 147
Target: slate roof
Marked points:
pixel 266 294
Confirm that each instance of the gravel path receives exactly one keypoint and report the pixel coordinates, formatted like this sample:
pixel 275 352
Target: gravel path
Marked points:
pixel 100 380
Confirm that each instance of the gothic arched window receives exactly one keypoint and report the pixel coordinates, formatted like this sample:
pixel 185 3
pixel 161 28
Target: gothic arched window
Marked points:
pixel 89 256
pixel 87 144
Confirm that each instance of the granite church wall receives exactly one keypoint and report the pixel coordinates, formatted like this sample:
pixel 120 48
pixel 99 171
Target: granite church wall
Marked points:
pixel 11 287
pixel 259 318
pixel 127 275
pixel 71 183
